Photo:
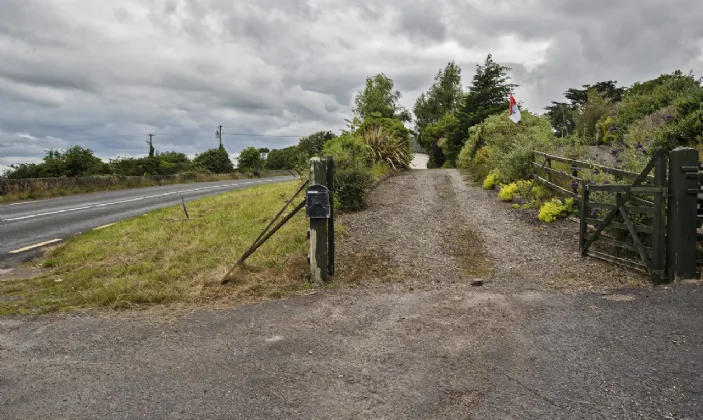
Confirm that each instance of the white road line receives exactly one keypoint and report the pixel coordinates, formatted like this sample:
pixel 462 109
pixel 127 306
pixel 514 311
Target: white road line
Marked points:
pixel 39 245
pixel 104 226
pixel 32 216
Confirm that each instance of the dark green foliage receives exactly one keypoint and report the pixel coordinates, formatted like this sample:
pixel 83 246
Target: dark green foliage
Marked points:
pixel 72 162
pixel 686 128
pixel 642 99
pixel 608 90
pixel 166 163
pixel 391 126
pixel 585 108
pixel 352 160
pixel 378 97
pixel 435 137
pixel 313 144
pixel 214 160
pixel 282 158
pixel 129 166
pixel 488 95
pixel 387 149
pixel 172 163
pixel 78 161
pixel 23 171
pixel 250 160
pixel 444 97
pixel 377 140
pixel 350 187
pixel 349 150
pixel 562 116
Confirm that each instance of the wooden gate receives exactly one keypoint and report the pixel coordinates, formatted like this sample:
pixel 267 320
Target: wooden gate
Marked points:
pixel 632 231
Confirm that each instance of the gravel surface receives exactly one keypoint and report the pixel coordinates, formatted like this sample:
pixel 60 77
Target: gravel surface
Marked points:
pixel 428 228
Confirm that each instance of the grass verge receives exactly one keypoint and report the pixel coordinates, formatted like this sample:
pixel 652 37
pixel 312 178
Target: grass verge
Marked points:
pixel 160 258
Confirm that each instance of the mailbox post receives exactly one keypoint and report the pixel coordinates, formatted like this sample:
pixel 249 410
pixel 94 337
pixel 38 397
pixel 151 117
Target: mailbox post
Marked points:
pixel 317 209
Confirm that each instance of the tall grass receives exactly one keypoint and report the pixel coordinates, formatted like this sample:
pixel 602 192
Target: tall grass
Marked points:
pixel 161 258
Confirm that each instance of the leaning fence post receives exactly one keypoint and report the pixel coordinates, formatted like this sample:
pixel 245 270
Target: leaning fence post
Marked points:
pixel 318 227
pixel 682 223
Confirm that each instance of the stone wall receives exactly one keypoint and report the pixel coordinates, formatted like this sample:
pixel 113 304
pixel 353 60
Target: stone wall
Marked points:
pixel 44 186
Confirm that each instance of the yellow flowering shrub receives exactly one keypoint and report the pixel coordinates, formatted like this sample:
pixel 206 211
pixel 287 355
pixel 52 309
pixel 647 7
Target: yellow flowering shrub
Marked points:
pixel 490 180
pixel 555 209
pixel 508 192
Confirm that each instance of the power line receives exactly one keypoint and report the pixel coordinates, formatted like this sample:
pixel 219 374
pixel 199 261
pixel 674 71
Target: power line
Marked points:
pixel 112 136
pixel 47 142
pixel 259 135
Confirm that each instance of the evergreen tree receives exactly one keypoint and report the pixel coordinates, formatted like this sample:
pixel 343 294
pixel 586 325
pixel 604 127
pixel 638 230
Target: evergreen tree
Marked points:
pixel 488 95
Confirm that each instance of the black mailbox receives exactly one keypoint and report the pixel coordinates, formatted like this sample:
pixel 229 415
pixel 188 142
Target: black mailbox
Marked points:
pixel 317 202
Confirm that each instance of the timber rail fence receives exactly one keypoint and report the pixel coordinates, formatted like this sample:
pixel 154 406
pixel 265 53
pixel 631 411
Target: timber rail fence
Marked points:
pixel 646 221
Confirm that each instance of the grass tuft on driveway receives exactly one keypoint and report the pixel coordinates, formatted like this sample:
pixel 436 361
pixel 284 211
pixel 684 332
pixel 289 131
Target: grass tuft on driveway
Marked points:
pixel 160 258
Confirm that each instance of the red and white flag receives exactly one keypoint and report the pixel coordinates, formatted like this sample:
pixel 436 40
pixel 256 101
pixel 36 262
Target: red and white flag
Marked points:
pixel 514 110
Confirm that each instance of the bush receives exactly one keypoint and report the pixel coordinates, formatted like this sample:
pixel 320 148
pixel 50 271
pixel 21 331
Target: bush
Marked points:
pixel 508 192
pixel 379 170
pixel 350 187
pixel 387 149
pixel 555 209
pixel 516 164
pixel 216 161
pixel 490 181
pixel 348 151
pixel 508 147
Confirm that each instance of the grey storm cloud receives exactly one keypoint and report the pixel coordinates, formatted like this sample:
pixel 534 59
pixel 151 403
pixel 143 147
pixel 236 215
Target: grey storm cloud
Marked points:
pixel 103 74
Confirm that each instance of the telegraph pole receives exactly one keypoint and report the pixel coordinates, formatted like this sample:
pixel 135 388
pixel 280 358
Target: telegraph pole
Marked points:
pixel 151 145
pixel 219 134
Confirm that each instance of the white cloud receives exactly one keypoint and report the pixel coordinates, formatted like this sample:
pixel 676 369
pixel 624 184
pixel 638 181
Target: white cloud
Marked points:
pixel 103 74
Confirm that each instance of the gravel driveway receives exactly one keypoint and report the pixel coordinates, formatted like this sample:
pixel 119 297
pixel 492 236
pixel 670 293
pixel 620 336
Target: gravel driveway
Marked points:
pixel 410 339
pixel 428 228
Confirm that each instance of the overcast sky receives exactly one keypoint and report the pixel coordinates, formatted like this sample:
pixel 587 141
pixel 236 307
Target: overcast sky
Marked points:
pixel 103 74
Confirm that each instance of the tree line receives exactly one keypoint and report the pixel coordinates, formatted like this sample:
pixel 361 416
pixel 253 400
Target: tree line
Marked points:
pixel 451 122
pixel 78 161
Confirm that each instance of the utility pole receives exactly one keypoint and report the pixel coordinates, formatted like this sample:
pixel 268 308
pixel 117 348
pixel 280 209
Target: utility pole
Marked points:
pixel 219 134
pixel 151 145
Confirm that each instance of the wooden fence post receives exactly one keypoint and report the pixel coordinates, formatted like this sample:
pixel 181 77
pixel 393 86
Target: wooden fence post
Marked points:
pixel 583 231
pixel 330 221
pixel 318 227
pixel 682 221
pixel 659 220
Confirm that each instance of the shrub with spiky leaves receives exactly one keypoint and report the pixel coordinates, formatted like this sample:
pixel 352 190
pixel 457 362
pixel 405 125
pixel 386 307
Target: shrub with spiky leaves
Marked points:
pixel 393 151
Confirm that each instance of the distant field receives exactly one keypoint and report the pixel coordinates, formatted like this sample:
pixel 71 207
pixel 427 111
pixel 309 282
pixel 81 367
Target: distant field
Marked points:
pixel 161 258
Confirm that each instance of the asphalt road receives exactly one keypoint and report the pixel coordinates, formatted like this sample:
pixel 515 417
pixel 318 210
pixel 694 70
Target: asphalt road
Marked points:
pixel 27 224
pixel 454 353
